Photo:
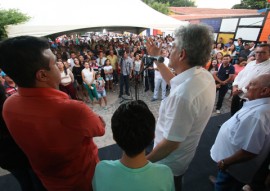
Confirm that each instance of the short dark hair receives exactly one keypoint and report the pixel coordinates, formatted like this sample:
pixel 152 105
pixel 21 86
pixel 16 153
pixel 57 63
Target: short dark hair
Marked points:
pixel 133 127
pixel 264 45
pixel 21 57
pixel 227 55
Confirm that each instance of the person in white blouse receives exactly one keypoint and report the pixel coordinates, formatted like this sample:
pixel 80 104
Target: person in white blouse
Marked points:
pixel 88 76
pixel 67 79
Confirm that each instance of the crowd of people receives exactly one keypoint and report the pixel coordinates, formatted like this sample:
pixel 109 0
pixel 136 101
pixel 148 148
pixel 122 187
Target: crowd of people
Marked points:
pixel 46 121
pixel 115 60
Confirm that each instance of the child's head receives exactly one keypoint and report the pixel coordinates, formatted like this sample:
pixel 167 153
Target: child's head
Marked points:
pixel 137 56
pixel 133 127
pixel 97 75
pixel 107 62
pixel 214 62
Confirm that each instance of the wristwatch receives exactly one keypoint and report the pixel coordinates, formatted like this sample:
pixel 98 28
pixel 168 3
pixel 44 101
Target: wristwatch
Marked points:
pixel 221 165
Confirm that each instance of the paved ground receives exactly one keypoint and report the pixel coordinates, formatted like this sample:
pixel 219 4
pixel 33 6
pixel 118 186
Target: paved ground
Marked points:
pixel 113 103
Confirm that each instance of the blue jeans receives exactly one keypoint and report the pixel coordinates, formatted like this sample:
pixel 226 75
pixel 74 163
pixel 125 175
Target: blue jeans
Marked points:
pixel 225 182
pixel 124 80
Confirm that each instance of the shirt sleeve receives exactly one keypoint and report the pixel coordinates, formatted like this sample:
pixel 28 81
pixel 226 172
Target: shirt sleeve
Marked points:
pixel 232 70
pixel 91 122
pixel 249 134
pixel 179 118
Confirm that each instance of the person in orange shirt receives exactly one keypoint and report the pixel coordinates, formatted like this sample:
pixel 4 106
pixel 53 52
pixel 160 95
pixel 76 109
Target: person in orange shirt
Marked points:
pixel 55 132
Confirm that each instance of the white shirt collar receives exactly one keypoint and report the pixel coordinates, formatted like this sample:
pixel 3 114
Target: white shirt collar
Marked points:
pixel 180 78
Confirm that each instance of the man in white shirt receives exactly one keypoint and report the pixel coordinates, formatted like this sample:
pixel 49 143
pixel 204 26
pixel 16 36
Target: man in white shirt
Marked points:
pixel 159 81
pixel 71 59
pixel 184 114
pixel 101 59
pixel 257 67
pixel 243 142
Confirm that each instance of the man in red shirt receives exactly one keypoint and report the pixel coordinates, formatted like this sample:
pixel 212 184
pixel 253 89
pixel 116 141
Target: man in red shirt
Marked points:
pixel 55 132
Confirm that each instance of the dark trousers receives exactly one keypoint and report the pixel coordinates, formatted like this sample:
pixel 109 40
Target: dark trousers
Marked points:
pixel 178 182
pixel 258 181
pixel 237 104
pixel 222 92
pixel 69 89
pixel 124 80
pixel 225 182
pixel 150 81
pixel 115 76
pixel 28 180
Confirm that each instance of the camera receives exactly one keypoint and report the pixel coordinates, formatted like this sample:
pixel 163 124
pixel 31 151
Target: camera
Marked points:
pixel 148 60
pixel 121 52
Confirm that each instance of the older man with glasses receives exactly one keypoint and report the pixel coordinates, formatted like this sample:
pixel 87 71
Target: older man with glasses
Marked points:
pixel 261 65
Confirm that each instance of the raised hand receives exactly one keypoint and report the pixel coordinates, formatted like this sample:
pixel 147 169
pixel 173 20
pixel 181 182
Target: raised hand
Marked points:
pixel 152 48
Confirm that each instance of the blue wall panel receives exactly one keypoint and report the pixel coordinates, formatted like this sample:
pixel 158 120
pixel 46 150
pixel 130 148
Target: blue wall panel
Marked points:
pixel 215 23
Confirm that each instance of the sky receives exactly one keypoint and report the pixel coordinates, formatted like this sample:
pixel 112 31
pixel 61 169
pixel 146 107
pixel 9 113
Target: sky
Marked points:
pixel 200 3
pixel 216 3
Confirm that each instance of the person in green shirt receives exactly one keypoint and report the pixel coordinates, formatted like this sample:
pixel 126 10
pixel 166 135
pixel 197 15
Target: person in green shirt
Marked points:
pixel 133 127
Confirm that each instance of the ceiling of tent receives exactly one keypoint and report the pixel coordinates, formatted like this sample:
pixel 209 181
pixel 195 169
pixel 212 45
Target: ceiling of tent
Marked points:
pixel 56 17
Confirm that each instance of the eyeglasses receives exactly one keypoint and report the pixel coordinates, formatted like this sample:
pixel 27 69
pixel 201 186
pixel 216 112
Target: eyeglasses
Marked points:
pixel 262 52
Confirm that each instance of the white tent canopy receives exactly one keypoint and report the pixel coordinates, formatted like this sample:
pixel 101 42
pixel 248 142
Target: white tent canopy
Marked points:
pixel 62 16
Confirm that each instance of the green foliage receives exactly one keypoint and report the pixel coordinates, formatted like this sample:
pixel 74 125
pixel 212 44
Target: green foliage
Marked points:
pixel 251 4
pixel 10 17
pixel 161 7
pixel 179 3
pixel 182 3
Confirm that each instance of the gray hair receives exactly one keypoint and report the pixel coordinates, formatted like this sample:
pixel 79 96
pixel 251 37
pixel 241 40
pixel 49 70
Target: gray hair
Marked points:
pixel 264 80
pixel 196 40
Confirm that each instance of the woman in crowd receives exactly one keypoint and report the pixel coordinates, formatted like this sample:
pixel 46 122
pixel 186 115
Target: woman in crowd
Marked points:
pixel 213 66
pixel 67 79
pixel 88 76
pixel 219 57
pixel 77 73
pixel 108 70
pixel 81 59
pixel 233 54
pixel 239 66
pixel 137 66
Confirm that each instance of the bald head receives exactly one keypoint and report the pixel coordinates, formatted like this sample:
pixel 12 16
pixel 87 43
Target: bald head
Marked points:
pixel 259 87
pixel 264 80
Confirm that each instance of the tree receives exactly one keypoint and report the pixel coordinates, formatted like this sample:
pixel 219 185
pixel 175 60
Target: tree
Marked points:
pixel 177 3
pixel 163 5
pixel 10 17
pixel 180 3
pixel 251 4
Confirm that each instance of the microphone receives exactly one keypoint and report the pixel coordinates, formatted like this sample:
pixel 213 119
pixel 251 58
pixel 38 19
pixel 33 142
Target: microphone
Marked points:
pixel 151 57
pixel 161 59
